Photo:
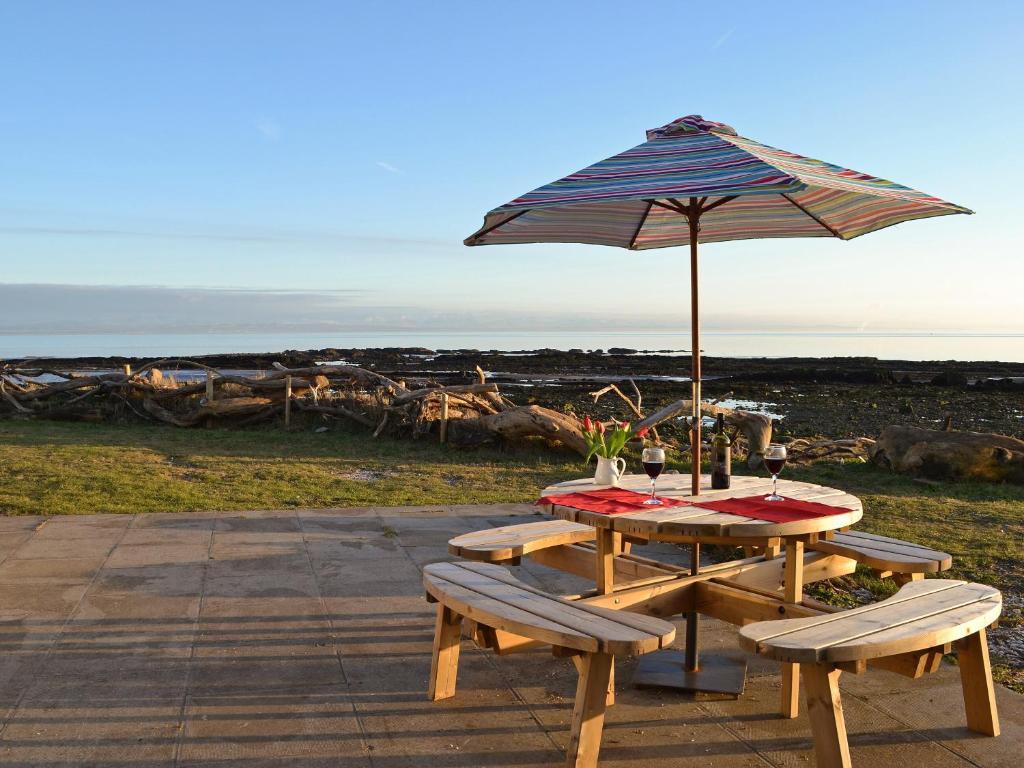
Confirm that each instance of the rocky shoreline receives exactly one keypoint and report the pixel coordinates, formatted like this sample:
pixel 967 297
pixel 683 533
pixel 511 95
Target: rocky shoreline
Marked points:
pixel 832 397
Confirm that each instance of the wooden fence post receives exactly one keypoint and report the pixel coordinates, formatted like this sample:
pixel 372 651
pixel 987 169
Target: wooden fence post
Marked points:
pixel 127 369
pixel 287 401
pixel 209 386
pixel 444 418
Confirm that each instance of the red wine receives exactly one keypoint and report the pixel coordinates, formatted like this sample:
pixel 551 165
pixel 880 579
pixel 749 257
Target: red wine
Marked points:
pixel 775 465
pixel 653 468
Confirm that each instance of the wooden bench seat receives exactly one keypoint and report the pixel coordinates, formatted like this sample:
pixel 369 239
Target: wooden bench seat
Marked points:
pixel 902 559
pixel 489 595
pixel 511 542
pixel 929 614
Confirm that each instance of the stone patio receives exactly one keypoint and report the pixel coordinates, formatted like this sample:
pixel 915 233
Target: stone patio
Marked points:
pixel 302 638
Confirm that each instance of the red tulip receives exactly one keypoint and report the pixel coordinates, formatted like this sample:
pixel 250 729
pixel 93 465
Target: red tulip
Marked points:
pixel 600 427
pixel 624 426
pixel 642 433
pixel 588 425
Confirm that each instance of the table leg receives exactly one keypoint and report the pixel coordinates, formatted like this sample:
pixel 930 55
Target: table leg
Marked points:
pixel 606 550
pixel 688 671
pixel 793 593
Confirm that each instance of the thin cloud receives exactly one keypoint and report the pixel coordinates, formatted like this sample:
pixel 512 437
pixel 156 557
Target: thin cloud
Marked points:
pixel 100 232
pixel 388 167
pixel 269 128
pixel 311 237
pixel 43 308
pixel 722 38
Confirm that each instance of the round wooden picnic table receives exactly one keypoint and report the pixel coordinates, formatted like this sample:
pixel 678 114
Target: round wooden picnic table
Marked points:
pixel 691 522
pixel 694 525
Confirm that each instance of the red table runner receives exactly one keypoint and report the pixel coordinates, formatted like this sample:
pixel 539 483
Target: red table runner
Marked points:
pixel 619 501
pixel 785 511
pixel 609 501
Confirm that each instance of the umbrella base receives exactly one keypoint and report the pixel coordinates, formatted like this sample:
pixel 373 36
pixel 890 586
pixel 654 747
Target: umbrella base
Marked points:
pixel 716 673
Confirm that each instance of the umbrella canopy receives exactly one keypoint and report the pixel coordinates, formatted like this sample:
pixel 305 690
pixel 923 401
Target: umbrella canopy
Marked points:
pixel 697 181
pixel 631 200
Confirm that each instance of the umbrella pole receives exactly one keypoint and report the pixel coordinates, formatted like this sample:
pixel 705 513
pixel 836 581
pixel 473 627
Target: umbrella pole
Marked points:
pixel 693 216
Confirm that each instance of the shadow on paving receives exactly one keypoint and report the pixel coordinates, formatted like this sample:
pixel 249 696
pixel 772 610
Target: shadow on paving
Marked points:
pixel 297 639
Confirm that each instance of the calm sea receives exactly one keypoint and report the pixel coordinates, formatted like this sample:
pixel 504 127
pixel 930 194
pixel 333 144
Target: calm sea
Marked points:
pixel 891 346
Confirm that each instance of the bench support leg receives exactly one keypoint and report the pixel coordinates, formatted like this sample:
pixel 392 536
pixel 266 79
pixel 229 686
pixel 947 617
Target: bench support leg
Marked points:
pixel 976 679
pixel 825 710
pixel 610 698
pixel 444 664
pixel 793 575
pixel 905 578
pixel 588 711
pixel 609 544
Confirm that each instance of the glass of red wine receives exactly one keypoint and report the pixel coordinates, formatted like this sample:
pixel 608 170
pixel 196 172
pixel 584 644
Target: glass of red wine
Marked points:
pixel 775 460
pixel 654 462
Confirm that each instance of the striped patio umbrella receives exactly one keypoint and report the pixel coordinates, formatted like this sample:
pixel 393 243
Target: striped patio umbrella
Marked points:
pixel 696 181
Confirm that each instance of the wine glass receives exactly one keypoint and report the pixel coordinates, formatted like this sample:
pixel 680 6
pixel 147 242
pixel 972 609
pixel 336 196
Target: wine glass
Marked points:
pixel 775 460
pixel 654 461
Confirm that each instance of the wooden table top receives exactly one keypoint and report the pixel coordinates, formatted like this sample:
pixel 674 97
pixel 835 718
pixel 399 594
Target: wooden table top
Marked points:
pixel 692 521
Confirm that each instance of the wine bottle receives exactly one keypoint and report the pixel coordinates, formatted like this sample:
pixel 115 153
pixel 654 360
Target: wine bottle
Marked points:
pixel 721 457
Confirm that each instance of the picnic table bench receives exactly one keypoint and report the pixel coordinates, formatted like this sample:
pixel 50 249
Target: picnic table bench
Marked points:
pixel 922 615
pixel 902 560
pixel 509 543
pixel 490 595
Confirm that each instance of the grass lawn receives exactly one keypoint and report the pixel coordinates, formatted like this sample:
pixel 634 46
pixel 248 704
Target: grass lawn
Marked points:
pixel 69 468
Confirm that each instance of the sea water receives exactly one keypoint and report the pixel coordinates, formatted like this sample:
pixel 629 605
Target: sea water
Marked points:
pixel 1007 347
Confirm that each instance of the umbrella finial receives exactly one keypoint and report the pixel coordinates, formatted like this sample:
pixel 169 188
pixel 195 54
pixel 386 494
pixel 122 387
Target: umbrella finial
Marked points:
pixel 689 124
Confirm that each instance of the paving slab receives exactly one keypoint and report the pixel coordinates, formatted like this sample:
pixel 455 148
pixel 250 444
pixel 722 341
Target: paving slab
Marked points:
pixel 301 638
pixel 20 523
pixel 160 580
pixel 72 570
pixel 63 547
pixel 100 731
pixel 138 555
pixel 314 722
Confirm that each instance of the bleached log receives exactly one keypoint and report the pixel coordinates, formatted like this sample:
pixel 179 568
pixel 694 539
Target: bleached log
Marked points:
pixel 231 406
pixel 336 410
pixel 10 398
pixel 535 421
pixel 755 427
pixel 70 385
pixel 957 455
pixel 858 448
pixel 475 389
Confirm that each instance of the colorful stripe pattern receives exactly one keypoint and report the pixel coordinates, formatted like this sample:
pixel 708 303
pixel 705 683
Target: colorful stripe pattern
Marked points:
pixel 777 194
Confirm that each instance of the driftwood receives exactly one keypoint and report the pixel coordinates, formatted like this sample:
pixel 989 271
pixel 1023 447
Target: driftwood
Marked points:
pixel 756 428
pixel 233 406
pixel 854 448
pixel 462 413
pixel 634 407
pixel 534 421
pixel 461 389
pixel 949 454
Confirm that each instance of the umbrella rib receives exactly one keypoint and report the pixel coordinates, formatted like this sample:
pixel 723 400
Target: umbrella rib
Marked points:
pixel 669 207
pixel 720 201
pixel 640 226
pixel 680 208
pixel 808 213
pixel 502 223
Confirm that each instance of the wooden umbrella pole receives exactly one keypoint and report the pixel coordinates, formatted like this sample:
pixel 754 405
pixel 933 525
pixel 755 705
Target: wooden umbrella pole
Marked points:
pixel 693 216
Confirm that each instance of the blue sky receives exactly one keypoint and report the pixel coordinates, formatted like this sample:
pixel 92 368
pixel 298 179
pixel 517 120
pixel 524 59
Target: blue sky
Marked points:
pixel 343 151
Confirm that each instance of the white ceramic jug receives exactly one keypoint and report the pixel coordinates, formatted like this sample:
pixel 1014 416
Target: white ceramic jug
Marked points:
pixel 609 470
